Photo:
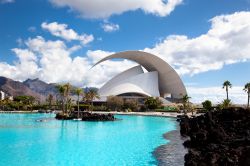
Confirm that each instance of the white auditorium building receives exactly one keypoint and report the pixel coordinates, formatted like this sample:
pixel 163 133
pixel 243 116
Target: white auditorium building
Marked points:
pixel 159 79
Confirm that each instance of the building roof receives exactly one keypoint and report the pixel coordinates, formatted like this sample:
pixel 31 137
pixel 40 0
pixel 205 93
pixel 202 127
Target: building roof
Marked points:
pixel 169 81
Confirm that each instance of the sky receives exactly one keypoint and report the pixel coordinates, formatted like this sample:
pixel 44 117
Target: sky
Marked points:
pixel 206 42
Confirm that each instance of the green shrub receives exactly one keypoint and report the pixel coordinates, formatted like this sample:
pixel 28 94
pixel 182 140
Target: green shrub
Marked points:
pixel 128 110
pixel 168 109
pixel 207 105
pixel 100 108
pixel 143 108
pixel 225 104
pixel 130 104
pixel 115 103
pixel 152 103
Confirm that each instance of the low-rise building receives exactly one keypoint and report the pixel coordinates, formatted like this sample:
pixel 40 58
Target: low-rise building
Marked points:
pixel 2 95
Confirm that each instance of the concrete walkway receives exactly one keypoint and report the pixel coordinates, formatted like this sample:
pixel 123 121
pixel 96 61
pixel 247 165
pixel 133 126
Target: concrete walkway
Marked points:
pixel 162 114
pixel 15 112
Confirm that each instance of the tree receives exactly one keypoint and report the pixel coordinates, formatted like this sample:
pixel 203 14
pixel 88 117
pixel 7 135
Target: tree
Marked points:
pixel 64 91
pixel 78 92
pixel 114 103
pixel 67 93
pixel 61 90
pixel 152 103
pixel 90 95
pixel 50 100
pixel 3 103
pixel 207 105
pixel 247 89
pixel 227 85
pixel 25 101
pixel 130 104
pixel 185 100
pixel 226 103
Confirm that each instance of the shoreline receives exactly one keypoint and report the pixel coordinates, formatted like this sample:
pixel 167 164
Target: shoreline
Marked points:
pixel 156 114
pixel 173 152
pixel 17 112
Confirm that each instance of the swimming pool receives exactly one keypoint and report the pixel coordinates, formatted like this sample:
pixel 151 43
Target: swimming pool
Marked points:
pixel 130 141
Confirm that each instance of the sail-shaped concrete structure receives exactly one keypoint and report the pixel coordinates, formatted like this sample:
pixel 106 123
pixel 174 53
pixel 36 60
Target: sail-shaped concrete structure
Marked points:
pixel 160 80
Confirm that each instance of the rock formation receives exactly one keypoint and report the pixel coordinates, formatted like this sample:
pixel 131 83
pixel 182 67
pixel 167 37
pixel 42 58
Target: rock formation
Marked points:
pixel 86 116
pixel 218 138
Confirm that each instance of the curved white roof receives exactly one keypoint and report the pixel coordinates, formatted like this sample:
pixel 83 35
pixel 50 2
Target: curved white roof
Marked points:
pixel 133 80
pixel 169 80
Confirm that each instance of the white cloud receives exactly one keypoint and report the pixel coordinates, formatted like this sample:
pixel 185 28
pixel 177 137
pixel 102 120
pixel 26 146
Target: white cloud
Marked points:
pixel 51 61
pixel 62 31
pixel 26 66
pixel 6 1
pixel 103 72
pixel 110 27
pixel 227 42
pixel 97 55
pixel 104 9
pixel 217 94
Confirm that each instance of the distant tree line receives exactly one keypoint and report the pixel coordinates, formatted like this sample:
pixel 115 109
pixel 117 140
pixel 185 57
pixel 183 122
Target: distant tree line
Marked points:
pixel 85 101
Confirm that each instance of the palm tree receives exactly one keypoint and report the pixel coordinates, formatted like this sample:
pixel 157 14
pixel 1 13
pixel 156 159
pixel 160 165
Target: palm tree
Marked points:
pixel 227 84
pixel 91 95
pixel 78 92
pixel 50 100
pixel 226 103
pixel 247 89
pixel 185 100
pixel 66 94
pixel 61 89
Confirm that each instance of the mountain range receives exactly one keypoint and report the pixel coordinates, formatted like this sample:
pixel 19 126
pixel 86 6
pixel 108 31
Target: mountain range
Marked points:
pixel 31 87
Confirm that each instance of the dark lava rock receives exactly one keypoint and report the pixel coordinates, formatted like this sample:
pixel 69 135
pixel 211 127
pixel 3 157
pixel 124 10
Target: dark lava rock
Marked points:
pixel 86 116
pixel 60 116
pixel 217 138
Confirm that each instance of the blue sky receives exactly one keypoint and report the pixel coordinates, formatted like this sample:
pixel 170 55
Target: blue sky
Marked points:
pixel 131 25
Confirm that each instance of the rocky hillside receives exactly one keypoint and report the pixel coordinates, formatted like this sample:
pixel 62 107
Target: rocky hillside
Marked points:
pixel 16 88
pixel 31 87
pixel 41 87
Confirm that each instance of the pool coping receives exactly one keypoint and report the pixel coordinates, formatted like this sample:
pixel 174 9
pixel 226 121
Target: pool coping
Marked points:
pixel 157 114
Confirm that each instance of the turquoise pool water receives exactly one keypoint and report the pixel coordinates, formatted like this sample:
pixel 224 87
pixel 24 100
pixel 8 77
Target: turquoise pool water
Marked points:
pixel 130 141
